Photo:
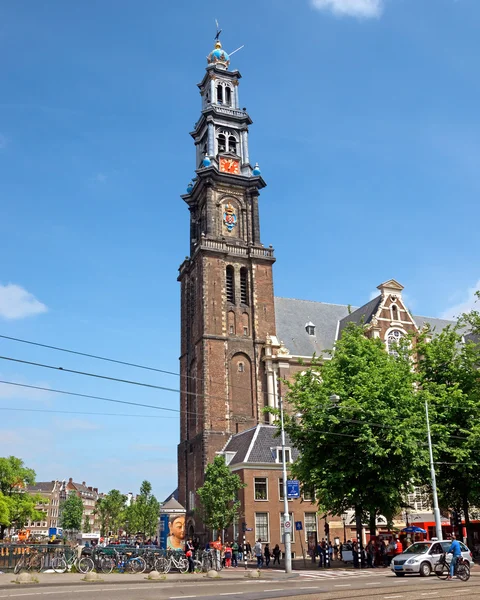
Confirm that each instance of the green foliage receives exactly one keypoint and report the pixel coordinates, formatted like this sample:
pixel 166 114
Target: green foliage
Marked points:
pixel 366 449
pixel 111 512
pixel 71 513
pixel 86 525
pixel 16 505
pixel 449 380
pixel 143 513
pixel 219 495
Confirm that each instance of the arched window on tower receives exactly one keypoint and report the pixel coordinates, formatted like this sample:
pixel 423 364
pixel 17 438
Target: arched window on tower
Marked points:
pixel 228 96
pixel 222 143
pixel 219 94
pixel 230 284
pixel 394 310
pixel 243 285
pixel 232 144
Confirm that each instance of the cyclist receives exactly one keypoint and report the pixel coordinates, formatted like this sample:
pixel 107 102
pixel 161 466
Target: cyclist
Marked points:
pixel 456 550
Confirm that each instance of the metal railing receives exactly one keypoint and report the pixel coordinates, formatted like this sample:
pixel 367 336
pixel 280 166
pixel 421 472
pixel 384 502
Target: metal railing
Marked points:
pixel 11 554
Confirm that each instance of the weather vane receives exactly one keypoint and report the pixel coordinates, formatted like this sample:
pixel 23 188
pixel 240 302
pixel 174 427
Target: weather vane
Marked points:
pixel 219 31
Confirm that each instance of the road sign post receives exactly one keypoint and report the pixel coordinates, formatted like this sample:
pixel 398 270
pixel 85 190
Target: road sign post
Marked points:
pixel 299 527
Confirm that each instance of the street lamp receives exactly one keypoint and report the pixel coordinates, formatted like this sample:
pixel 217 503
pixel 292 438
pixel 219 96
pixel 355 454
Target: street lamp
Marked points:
pixel 436 509
pixel 287 525
pixel 344 521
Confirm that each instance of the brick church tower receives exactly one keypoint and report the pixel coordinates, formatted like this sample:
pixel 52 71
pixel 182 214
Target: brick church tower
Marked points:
pixel 227 305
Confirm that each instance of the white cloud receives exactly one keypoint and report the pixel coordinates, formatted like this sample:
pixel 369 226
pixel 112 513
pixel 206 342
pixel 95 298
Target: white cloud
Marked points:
pixel 465 305
pixel 362 9
pixel 17 303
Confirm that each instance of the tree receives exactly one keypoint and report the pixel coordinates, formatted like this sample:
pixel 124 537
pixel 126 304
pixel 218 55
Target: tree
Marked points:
pixel 361 429
pixel 71 513
pixel 86 525
pixel 449 380
pixel 143 514
pixel 17 507
pixel 220 505
pixel 111 512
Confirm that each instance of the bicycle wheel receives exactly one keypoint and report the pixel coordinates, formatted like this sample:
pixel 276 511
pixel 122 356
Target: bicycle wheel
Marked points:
pixel 135 565
pixel 58 564
pixel 85 564
pixel 463 572
pixel 182 564
pixel 197 566
pixel 19 566
pixel 163 565
pixel 105 564
pixel 442 570
pixel 36 563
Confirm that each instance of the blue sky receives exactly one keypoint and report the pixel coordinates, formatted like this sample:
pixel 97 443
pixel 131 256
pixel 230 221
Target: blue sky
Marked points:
pixel 366 127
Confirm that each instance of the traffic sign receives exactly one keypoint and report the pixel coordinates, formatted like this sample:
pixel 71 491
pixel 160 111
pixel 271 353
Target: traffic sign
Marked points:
pixel 249 529
pixel 293 488
pixel 298 525
pixel 288 525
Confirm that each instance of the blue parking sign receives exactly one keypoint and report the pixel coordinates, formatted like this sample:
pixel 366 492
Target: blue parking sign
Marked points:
pixel 293 488
pixel 298 525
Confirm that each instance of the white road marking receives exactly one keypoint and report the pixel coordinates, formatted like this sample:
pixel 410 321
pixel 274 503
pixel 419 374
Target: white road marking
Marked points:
pixel 308 588
pixel 275 590
pixel 230 593
pixel 173 597
pixel 343 585
pixel 392 597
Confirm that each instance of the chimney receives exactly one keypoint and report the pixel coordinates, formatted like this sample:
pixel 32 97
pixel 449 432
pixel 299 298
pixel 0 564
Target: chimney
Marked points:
pixel 70 480
pixel 83 483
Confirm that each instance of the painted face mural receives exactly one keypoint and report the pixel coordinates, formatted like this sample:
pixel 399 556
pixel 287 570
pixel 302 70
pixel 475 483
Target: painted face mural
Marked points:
pixel 176 537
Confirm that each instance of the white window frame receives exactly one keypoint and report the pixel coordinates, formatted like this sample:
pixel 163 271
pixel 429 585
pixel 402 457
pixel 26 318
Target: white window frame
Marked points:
pixel 267 541
pixel 255 491
pixel 305 523
pixel 389 331
pixel 278 451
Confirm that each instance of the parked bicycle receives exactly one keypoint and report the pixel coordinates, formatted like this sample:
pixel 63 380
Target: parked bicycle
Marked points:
pixel 175 559
pixel 61 562
pixel 127 562
pixel 462 568
pixel 31 561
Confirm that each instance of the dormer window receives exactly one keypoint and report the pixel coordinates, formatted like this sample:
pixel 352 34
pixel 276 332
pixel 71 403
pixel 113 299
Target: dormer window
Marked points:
pixel 278 455
pixel 310 328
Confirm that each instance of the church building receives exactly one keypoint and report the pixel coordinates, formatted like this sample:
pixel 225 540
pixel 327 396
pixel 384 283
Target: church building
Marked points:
pixel 238 341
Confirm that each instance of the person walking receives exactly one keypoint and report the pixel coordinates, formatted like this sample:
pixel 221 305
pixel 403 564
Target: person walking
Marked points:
pixel 276 555
pixel 267 555
pixel 228 556
pixel 248 550
pixel 217 548
pixel 258 553
pixel 235 554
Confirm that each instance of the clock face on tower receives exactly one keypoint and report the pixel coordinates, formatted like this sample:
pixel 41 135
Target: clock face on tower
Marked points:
pixel 229 165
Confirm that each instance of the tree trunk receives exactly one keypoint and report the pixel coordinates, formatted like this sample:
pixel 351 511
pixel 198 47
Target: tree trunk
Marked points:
pixel 468 525
pixel 2 531
pixel 373 523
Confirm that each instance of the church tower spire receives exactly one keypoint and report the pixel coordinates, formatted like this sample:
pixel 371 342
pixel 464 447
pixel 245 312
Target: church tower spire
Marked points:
pixel 227 306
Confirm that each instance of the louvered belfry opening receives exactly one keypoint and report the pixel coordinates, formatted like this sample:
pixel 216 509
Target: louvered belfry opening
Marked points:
pixel 244 285
pixel 230 284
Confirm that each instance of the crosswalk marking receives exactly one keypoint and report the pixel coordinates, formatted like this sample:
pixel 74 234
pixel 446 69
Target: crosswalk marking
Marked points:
pixel 337 574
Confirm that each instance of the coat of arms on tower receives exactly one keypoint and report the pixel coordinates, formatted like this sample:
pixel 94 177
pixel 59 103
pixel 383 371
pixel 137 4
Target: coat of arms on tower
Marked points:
pixel 229 217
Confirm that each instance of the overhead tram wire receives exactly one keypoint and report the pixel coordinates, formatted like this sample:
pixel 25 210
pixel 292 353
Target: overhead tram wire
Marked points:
pixel 118 362
pixel 80 412
pixel 176 410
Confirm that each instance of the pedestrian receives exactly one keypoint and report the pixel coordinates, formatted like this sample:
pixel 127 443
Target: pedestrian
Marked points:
pixel 391 551
pixel 330 551
pixel 235 554
pixel 189 554
pixel 320 555
pixel 276 554
pixel 370 554
pixel 248 550
pixel 240 551
pixel 258 553
pixel 217 547
pixel 267 555
pixel 228 556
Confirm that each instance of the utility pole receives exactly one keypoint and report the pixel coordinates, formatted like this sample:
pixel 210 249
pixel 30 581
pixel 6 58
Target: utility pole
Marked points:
pixel 436 510
pixel 287 525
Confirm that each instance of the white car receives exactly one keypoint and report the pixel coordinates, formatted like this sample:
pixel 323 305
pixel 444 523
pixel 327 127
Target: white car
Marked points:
pixel 422 557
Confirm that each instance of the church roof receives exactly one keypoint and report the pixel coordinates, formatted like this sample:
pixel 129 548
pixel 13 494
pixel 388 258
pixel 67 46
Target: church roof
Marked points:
pixel 329 319
pixel 255 445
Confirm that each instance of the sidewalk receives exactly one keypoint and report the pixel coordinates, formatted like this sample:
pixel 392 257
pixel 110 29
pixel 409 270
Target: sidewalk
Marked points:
pixel 7 579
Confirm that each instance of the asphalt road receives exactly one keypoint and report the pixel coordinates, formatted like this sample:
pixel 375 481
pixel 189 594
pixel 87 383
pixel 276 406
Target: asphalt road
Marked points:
pixel 371 586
